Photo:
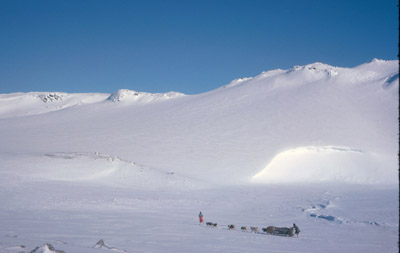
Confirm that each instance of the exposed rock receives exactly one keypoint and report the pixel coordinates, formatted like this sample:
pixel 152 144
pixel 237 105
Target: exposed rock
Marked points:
pixel 100 244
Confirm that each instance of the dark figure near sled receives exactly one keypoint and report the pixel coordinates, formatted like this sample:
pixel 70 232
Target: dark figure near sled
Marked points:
pixel 296 230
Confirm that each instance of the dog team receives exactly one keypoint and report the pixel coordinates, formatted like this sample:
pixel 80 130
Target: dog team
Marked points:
pixel 282 231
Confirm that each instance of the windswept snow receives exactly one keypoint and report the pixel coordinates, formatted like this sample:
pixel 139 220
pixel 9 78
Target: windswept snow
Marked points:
pixel 314 145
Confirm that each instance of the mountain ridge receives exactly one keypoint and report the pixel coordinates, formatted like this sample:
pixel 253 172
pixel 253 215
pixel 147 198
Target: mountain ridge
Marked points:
pixel 235 132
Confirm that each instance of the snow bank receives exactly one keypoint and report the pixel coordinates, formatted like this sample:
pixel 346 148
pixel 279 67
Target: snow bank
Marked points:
pixel 328 164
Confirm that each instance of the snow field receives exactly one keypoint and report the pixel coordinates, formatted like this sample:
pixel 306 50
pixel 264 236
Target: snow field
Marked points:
pixel 73 217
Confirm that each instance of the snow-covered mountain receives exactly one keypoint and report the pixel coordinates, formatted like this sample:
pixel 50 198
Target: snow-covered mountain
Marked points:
pixel 314 145
pixel 309 123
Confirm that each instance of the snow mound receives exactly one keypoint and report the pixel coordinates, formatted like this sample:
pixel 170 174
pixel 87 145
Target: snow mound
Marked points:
pixel 327 164
pixel 47 248
pixel 124 95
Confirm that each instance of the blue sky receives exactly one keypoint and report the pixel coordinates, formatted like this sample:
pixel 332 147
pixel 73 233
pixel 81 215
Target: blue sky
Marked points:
pixel 186 46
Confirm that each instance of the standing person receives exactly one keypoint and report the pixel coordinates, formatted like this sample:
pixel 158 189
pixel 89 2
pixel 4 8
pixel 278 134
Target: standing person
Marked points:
pixel 201 217
pixel 296 230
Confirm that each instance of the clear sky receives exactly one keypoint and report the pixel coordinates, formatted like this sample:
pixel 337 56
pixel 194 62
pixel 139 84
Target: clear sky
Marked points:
pixel 187 46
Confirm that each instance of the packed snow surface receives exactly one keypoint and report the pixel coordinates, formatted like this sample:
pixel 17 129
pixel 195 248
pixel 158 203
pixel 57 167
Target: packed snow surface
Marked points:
pixel 314 145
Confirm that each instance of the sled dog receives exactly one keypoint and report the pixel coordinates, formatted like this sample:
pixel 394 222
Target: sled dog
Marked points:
pixel 254 229
pixel 212 224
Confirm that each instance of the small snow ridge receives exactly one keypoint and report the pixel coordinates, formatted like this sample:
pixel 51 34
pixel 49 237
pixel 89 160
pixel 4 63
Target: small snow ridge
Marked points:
pixel 19 249
pixel 50 97
pixel 130 95
pixel 237 82
pixel 106 169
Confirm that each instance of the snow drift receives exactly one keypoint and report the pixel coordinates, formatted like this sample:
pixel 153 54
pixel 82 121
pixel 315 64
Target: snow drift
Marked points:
pixel 319 164
pixel 313 123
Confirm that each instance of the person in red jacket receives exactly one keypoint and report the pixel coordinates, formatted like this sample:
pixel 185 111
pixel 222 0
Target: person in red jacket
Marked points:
pixel 201 217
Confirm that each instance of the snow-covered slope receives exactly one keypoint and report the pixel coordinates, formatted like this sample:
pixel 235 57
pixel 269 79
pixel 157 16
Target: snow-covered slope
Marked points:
pixel 309 123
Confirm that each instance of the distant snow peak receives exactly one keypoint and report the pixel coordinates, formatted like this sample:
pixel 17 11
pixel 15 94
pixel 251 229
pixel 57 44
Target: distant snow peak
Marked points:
pixel 376 60
pixel 130 95
pixel 50 97
pixel 317 68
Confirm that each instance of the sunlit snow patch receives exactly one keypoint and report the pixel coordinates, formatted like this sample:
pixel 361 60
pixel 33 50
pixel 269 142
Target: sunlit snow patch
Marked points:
pixel 328 164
